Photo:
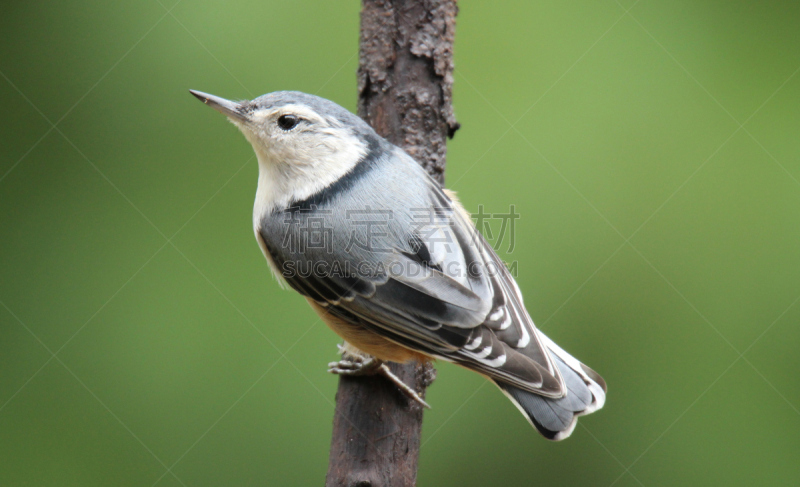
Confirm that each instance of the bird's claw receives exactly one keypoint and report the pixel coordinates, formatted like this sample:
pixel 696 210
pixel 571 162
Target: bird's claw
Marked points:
pixel 405 389
pixel 359 366
pixel 355 366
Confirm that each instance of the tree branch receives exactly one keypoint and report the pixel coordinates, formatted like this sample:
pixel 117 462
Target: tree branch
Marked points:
pixel 405 79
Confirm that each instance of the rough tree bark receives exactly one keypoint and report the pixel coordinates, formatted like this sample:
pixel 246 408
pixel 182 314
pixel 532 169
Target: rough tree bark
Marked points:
pixel 405 79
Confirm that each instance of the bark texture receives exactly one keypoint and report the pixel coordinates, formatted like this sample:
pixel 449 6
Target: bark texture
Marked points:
pixel 405 76
pixel 405 79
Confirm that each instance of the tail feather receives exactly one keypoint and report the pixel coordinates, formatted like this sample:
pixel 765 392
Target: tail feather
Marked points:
pixel 555 419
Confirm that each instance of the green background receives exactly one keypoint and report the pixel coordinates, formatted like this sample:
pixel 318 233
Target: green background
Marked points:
pixel 653 155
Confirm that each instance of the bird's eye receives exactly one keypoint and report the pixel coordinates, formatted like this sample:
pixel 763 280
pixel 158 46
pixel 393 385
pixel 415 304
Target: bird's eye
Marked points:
pixel 288 122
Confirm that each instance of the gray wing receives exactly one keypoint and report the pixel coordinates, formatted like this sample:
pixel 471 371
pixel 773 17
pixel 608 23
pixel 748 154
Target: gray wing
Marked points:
pixel 439 289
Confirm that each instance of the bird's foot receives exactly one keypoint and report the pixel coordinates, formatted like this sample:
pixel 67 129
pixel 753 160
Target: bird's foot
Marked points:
pixel 355 365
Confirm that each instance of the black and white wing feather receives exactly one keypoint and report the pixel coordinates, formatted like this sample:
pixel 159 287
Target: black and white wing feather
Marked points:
pixel 436 286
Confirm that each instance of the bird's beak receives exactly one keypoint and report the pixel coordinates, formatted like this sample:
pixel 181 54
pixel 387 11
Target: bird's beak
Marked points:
pixel 230 109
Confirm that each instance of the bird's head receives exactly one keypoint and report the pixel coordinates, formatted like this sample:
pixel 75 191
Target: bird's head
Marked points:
pixel 293 128
pixel 303 142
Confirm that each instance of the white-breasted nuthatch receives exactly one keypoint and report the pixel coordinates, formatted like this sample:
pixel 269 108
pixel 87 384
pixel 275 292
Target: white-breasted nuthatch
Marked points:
pixel 392 262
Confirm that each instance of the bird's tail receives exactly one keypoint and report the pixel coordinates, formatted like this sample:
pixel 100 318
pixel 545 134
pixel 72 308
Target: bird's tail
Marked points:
pixel 555 419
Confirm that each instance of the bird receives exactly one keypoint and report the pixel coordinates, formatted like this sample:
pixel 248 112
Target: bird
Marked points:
pixel 392 262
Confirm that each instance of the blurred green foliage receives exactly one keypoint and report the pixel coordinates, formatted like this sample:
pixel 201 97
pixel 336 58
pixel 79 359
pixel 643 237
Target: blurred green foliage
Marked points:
pixel 653 156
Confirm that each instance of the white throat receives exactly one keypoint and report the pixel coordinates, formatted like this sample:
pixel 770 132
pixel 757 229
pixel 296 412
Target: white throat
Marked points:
pixel 296 174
